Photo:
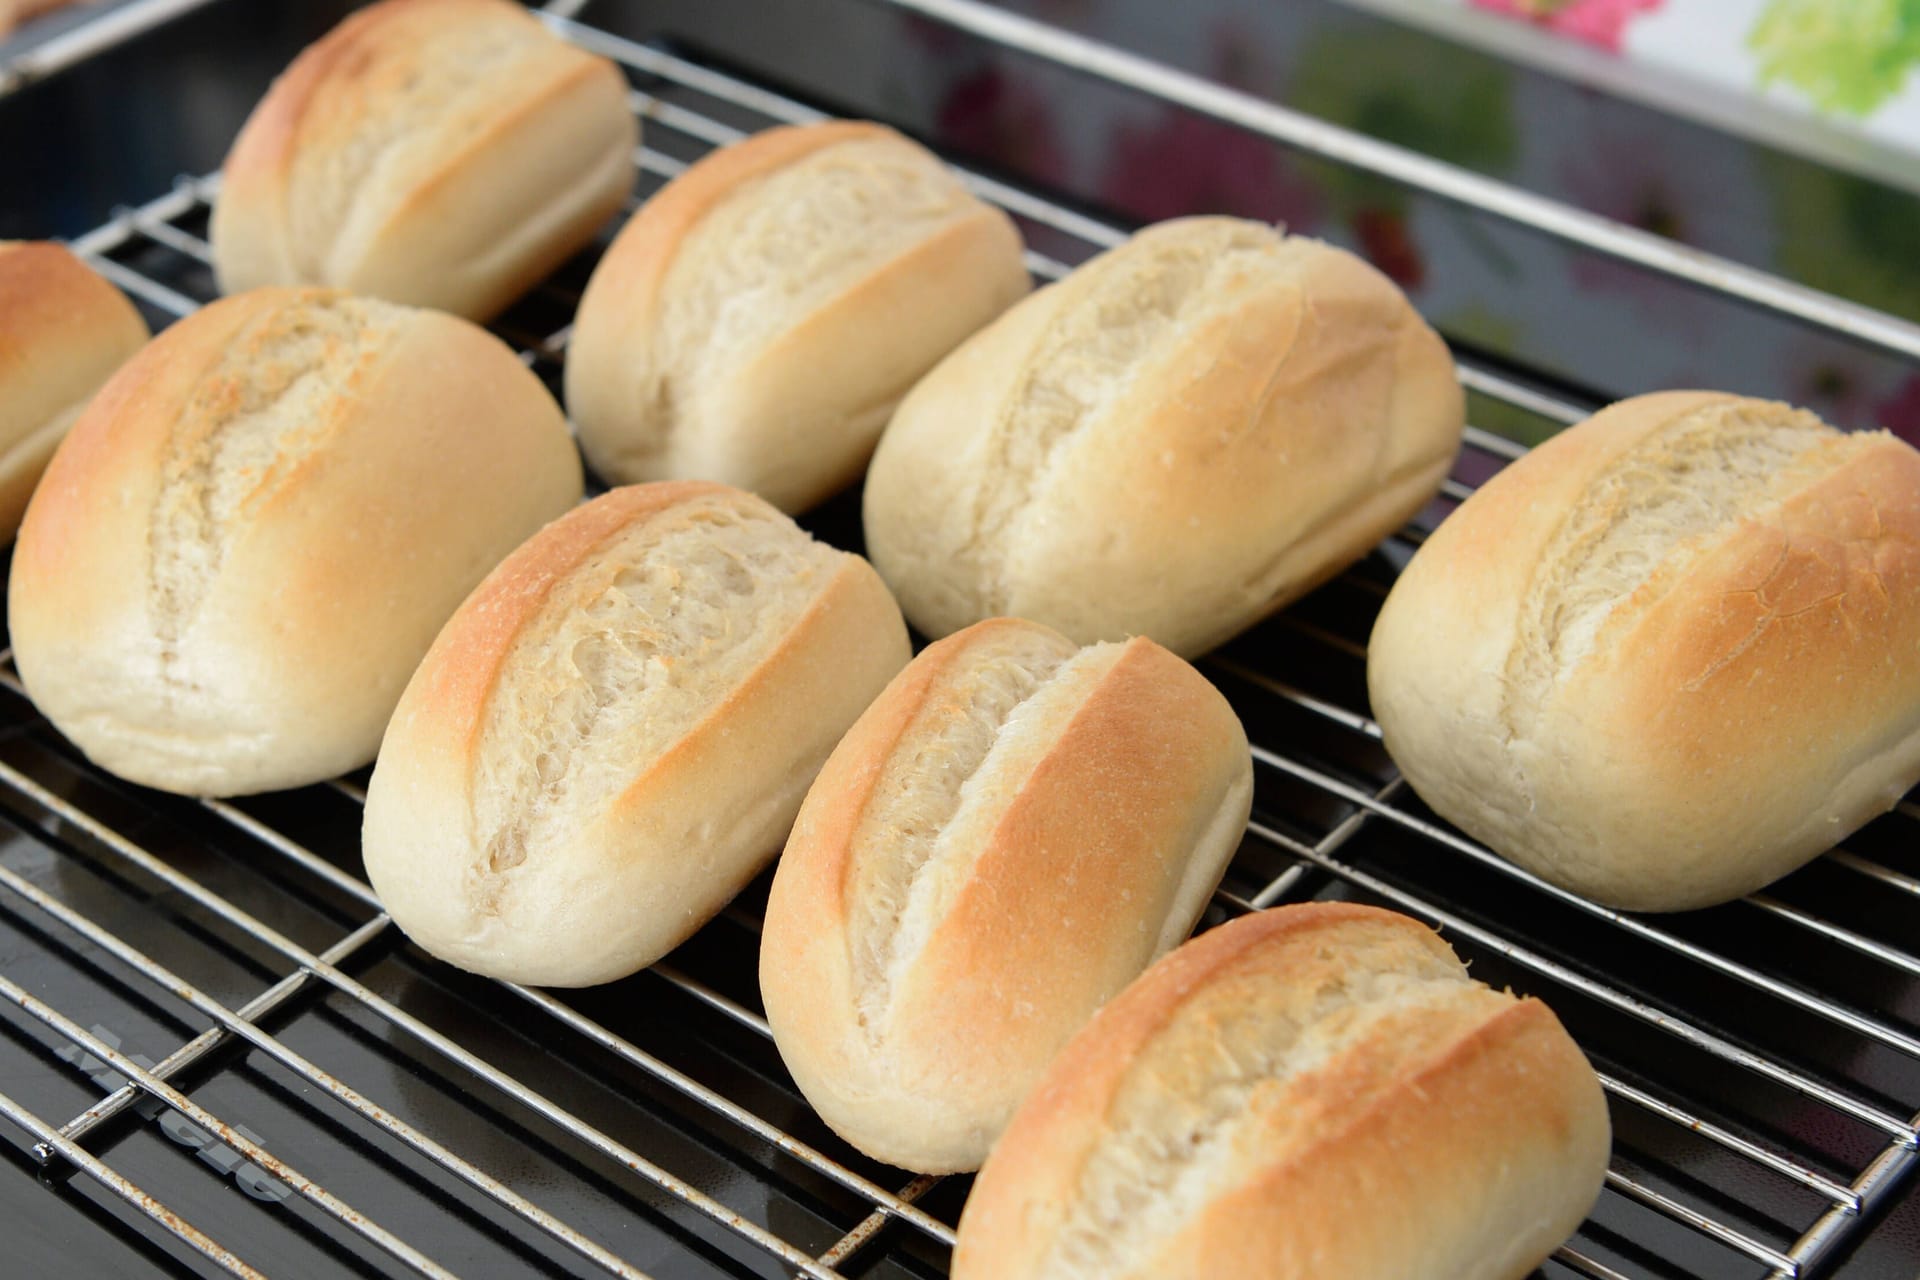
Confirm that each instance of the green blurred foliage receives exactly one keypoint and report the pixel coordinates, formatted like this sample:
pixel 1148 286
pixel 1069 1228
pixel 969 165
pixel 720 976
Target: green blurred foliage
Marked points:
pixel 1845 55
pixel 1846 235
pixel 1399 88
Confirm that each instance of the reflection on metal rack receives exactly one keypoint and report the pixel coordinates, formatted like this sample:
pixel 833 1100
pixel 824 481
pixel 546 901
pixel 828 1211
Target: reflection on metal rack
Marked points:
pixel 165 225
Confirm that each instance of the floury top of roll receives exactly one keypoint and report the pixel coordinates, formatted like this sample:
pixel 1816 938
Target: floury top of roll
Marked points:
pixel 1009 834
pixel 440 153
pixel 63 331
pixel 1175 440
pixel 1315 1092
pixel 760 317
pixel 613 733
pixel 252 533
pixel 1669 655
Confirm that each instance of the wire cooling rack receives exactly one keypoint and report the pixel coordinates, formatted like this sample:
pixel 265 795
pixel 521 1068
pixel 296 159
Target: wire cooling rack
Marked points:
pixel 1761 1059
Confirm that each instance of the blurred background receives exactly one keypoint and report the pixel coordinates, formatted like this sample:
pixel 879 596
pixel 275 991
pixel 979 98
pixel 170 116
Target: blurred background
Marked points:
pixel 1780 133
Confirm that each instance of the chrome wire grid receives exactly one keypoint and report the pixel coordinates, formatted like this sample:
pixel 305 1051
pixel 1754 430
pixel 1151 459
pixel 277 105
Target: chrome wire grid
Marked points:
pixel 1762 1060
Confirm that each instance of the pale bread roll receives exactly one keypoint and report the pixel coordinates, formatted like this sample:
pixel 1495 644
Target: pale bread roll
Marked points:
pixel 613 734
pixel 1308 1092
pixel 760 317
pixel 1175 440
pixel 253 532
pixel 442 153
pixel 1668 656
pixel 1012 831
pixel 63 331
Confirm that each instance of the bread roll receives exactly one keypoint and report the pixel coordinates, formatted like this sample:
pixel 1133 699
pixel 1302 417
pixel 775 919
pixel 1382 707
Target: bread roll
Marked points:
pixel 255 529
pixel 1309 1092
pixel 1178 438
pixel 614 732
pixel 63 330
pixel 1670 655
pixel 758 319
pixel 444 153
pixel 1011 833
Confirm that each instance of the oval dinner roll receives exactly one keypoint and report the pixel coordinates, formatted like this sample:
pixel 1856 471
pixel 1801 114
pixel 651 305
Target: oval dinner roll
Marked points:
pixel 1306 1093
pixel 1013 831
pixel 63 331
pixel 1178 438
pixel 1668 656
pixel 444 153
pixel 613 734
pixel 759 318
pixel 253 532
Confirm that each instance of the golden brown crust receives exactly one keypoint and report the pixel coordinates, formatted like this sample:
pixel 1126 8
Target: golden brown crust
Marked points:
pixel 301 100
pixel 1132 776
pixel 694 802
pixel 460 670
pixel 63 331
pixel 49 300
pixel 637 261
pixel 758 318
pixel 1471 1114
pixel 1739 706
pixel 1264 408
pixel 1513 1081
pixel 1110 805
pixel 537 167
pixel 111 446
pixel 277 472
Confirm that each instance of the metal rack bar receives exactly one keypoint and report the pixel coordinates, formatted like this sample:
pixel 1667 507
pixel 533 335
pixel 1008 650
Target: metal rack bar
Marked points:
pixel 1811 1003
pixel 1844 1196
pixel 1755 1249
pixel 1681 1028
pixel 884 1200
pixel 1435 177
pixel 96 36
pixel 864 1231
pixel 1765 902
pixel 1779 1163
pixel 1329 844
pixel 237 1026
pixel 886 1203
pixel 1586 1266
pixel 1902 1132
pixel 305 1187
pixel 1885 875
pixel 1100 235
pixel 1825 1235
pixel 166 1219
pixel 1845 937
pixel 719 1003
pixel 397 1017
pixel 155 221
pixel 213 1037
pixel 1498 387
pixel 1259 679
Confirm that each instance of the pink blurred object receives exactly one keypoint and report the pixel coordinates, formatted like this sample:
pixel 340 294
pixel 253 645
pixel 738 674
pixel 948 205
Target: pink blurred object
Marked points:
pixel 1598 22
pixel 1900 412
pixel 990 113
pixel 1183 162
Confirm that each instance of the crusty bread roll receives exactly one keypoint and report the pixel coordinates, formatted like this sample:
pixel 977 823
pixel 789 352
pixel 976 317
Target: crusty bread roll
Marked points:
pixel 1306 1093
pixel 1176 439
pixel 1668 656
pixel 759 318
pixel 63 331
pixel 443 153
pixel 1012 831
pixel 614 732
pixel 253 532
